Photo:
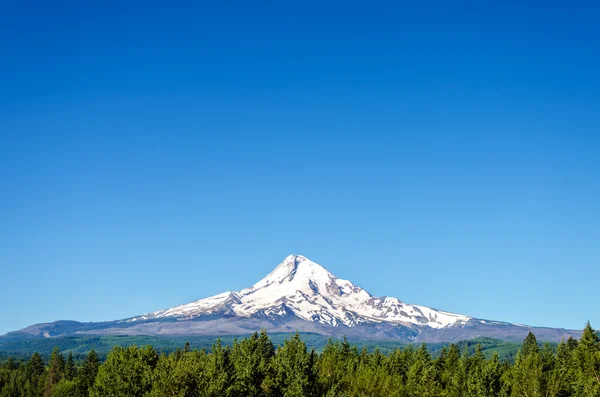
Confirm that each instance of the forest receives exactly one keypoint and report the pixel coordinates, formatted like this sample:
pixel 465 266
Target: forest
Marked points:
pixel 255 367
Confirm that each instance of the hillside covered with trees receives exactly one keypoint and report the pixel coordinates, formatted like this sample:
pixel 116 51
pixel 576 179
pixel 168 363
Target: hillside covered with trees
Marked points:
pixel 255 367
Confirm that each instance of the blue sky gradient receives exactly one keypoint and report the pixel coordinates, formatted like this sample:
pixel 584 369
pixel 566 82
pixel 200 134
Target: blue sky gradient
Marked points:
pixel 445 154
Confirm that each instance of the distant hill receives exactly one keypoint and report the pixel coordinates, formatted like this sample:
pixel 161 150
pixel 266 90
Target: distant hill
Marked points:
pixel 81 345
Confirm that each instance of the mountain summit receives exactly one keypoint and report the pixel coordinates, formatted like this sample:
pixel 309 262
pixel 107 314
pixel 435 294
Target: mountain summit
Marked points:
pixel 301 295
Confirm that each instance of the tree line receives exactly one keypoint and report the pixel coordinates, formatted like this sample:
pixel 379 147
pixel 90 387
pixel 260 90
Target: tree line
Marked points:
pixel 254 367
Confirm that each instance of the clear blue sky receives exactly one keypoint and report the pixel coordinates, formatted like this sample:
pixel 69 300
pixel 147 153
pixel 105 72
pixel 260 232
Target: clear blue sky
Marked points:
pixel 446 154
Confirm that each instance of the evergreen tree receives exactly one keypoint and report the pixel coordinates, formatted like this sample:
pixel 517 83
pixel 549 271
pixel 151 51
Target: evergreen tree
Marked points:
pixel 451 360
pixel 572 344
pixel 371 379
pixel 589 339
pixel 530 345
pixel 70 370
pixel 440 365
pixel 11 364
pixel 476 382
pixel 127 372
pixel 398 365
pixel 587 362
pixel 559 380
pixel 421 380
pixel 335 367
pixel 35 366
pixel 526 374
pixel 293 368
pixel 180 375
pixel 459 376
pixel 219 372
pixel 56 371
pixel 492 374
pixel 548 363
pixel 33 380
pixel 87 374
pixel 252 365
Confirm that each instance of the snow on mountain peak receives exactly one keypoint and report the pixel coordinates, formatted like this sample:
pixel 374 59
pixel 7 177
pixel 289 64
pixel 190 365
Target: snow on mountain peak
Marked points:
pixel 294 266
pixel 303 288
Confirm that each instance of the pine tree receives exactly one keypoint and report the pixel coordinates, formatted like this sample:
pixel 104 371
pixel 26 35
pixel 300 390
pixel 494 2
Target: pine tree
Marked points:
pixel 476 382
pixel 587 361
pixel 370 378
pixel 559 380
pixel 293 367
pixel 589 339
pixel 35 366
pixel 526 374
pixel 11 364
pixel 572 344
pixel 70 370
pixel 492 374
pixel 421 380
pixel 219 372
pixel 56 371
pixel 251 360
pixel 548 363
pixel 333 366
pixel 459 374
pixel 87 374
pixel 450 365
pixel 397 365
pixel 530 345
pixel 32 380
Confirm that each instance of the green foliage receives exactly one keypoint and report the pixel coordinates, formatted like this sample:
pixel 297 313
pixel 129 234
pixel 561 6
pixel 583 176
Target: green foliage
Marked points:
pixel 587 363
pixel 70 370
pixel 126 372
pixel 293 367
pixel 65 388
pixel 253 367
pixel 526 374
pixel 530 345
pixel 180 374
pixel 253 373
pixel 87 373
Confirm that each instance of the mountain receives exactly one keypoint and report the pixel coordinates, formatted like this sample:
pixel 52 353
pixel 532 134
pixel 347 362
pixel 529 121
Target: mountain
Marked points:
pixel 305 289
pixel 302 295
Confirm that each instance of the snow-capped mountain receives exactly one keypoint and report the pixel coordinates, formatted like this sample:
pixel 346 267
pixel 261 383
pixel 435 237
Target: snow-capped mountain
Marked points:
pixel 307 290
pixel 301 295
